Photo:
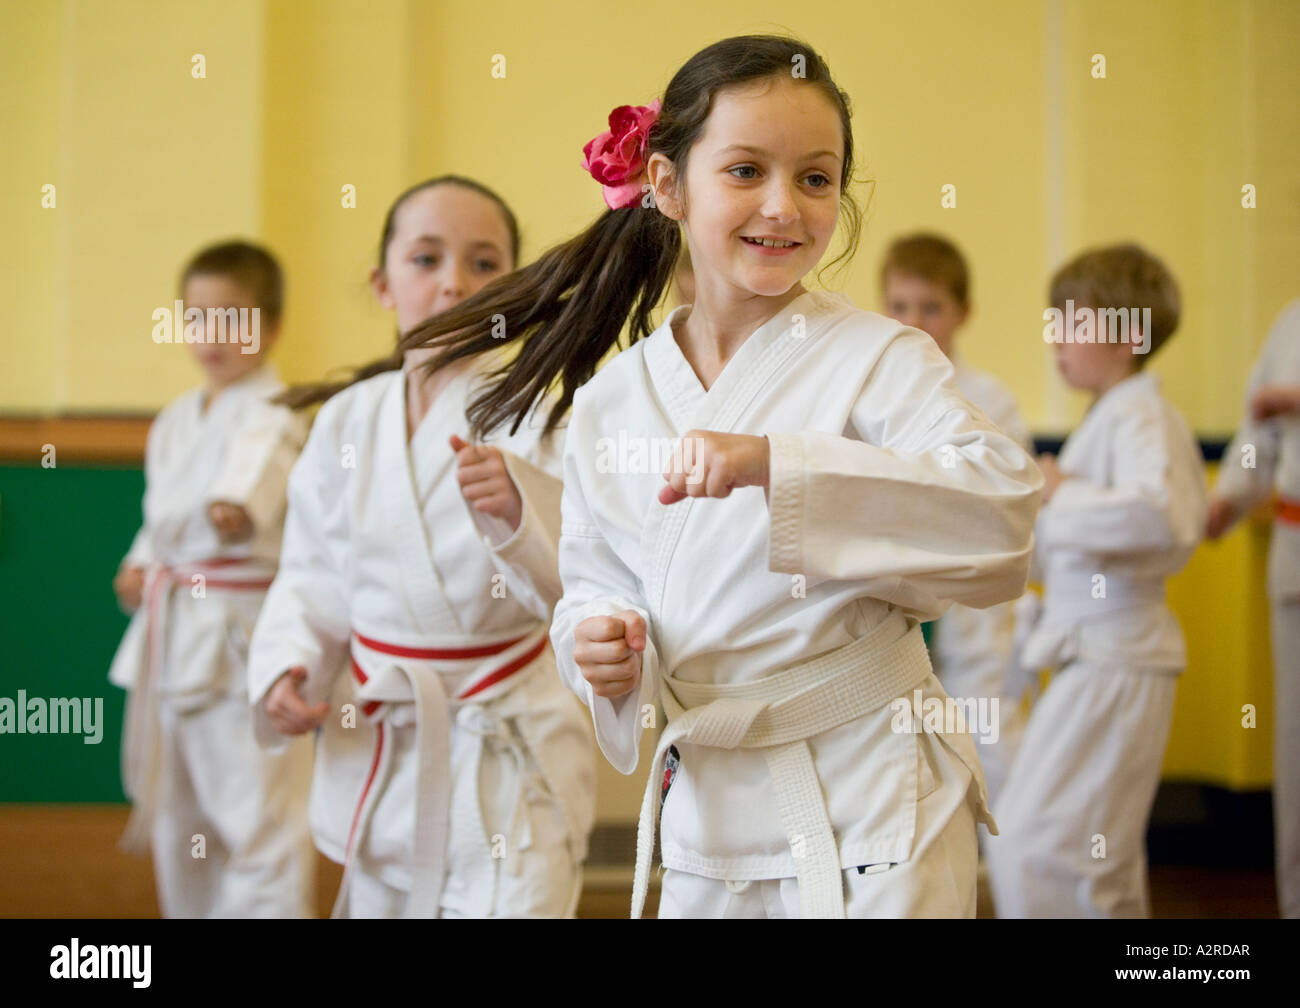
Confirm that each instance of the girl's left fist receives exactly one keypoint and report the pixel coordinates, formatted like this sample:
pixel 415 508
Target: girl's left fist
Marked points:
pixel 485 482
pixel 1274 400
pixel 712 464
pixel 232 522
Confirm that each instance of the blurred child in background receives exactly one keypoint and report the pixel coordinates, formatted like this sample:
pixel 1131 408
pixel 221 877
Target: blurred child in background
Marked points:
pixel 1264 457
pixel 1124 509
pixel 227 822
pixel 925 283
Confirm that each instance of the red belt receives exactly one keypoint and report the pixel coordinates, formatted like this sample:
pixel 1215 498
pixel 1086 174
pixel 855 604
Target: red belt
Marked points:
pixel 1288 511
pixel 431 838
pixel 450 654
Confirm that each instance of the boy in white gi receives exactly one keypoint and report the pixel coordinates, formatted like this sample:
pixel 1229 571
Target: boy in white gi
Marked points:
pixel 862 492
pixel 1263 457
pixel 455 776
pixel 925 283
pixel 1125 506
pixel 227 822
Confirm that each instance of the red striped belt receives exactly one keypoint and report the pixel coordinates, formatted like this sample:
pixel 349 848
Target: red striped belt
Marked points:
pixel 432 754
pixel 450 654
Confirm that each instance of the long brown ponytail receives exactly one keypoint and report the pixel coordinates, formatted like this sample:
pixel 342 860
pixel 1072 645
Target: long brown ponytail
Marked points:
pixel 568 308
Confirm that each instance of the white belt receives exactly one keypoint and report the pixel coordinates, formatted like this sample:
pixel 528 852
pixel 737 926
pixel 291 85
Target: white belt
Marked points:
pixel 1069 594
pixel 387 693
pixel 778 714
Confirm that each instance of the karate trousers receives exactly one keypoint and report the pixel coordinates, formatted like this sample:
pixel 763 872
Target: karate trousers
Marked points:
pixel 937 880
pixel 540 880
pixel 1284 619
pixel 1075 806
pixel 230 837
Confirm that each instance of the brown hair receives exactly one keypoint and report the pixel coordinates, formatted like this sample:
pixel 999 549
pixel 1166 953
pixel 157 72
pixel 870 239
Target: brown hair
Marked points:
pixel 567 309
pixel 930 257
pixel 250 266
pixel 300 396
pixel 1121 276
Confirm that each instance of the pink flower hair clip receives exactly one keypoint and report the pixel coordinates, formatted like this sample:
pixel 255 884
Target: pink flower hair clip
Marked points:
pixel 617 158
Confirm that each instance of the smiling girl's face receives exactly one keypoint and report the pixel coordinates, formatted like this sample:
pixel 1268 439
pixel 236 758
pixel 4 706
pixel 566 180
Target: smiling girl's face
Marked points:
pixel 448 243
pixel 767 166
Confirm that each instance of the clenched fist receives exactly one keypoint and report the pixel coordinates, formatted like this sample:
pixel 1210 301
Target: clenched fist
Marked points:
pixel 711 464
pixel 286 708
pixel 485 482
pixel 231 521
pixel 608 652
pixel 129 588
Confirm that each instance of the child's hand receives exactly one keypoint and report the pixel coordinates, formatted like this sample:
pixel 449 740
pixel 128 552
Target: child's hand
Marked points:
pixel 710 464
pixel 128 585
pixel 231 521
pixel 608 652
pixel 1273 400
pixel 485 482
pixel 286 708
pixel 1052 475
pixel 1222 515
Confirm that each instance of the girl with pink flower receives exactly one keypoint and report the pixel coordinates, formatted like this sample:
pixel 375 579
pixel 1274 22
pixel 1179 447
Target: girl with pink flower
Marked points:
pixel 830 488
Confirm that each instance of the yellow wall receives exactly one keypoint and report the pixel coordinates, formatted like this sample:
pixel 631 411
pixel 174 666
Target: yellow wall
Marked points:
pixel 30 284
pixel 147 163
pixel 1218 599
pixel 337 111
pixel 302 98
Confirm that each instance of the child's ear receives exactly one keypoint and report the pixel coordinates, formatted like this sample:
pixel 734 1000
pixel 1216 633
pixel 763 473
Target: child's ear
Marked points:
pixel 663 180
pixel 379 284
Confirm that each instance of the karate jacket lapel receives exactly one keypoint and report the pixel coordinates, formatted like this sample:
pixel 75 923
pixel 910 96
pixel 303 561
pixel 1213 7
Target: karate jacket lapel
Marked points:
pixel 769 350
pixel 420 580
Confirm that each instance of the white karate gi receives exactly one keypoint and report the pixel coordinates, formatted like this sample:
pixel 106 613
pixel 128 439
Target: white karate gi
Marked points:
pixel 1075 805
pixel 971 648
pixel 890 495
pixel 190 763
pixel 478 808
pixel 1276 466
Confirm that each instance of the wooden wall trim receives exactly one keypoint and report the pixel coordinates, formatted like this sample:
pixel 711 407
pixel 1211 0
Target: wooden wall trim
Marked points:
pixel 121 439
pixel 97 439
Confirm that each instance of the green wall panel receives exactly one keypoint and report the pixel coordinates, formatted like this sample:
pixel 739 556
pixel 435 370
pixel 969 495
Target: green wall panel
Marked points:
pixel 63 532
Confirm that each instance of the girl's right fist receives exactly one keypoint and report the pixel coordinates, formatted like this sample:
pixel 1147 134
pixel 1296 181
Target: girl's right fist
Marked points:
pixel 1222 516
pixel 232 522
pixel 129 588
pixel 608 652
pixel 287 709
